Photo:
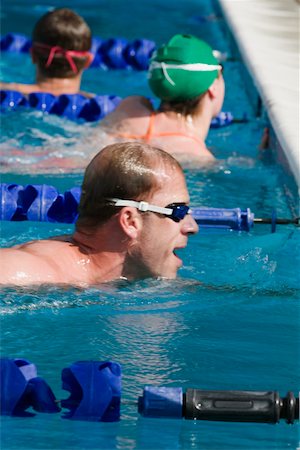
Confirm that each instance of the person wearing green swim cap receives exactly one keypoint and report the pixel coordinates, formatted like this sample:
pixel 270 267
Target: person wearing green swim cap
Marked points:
pixel 187 78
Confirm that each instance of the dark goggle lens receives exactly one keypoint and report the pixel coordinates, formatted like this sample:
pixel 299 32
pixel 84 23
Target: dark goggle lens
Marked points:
pixel 179 212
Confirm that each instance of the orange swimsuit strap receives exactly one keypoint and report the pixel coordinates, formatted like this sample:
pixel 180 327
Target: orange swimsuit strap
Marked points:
pixel 149 133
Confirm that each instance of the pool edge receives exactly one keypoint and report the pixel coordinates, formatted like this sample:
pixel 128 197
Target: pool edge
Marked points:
pixel 283 114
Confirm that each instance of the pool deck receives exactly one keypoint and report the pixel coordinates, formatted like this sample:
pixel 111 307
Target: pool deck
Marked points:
pixel 267 35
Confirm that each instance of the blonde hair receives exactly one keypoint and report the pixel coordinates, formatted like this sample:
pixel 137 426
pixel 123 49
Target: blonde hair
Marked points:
pixel 125 170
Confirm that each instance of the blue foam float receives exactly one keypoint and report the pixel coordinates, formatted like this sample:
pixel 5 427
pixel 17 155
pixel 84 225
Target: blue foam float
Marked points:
pixel 94 387
pixel 73 106
pixel 114 53
pixel 95 391
pixel 44 203
pixel 21 388
pixel 79 107
pixel 95 395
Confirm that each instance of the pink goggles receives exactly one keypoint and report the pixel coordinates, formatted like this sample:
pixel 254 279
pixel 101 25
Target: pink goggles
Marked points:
pixel 68 54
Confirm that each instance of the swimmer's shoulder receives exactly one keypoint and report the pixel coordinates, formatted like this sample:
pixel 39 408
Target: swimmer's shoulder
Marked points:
pixel 37 250
pixel 19 87
pixel 18 266
pixel 27 89
pixel 135 104
pixel 134 107
pixel 30 247
pixel 33 261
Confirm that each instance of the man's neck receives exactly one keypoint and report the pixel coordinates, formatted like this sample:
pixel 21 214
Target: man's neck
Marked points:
pixel 58 86
pixel 102 255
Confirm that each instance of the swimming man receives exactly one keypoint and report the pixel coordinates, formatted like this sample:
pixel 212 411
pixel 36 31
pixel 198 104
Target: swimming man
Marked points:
pixel 133 217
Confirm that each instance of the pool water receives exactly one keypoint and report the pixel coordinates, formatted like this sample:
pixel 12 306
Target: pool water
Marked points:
pixel 231 319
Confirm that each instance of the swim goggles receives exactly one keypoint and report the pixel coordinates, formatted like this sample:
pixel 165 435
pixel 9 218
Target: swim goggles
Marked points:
pixel 175 211
pixel 56 50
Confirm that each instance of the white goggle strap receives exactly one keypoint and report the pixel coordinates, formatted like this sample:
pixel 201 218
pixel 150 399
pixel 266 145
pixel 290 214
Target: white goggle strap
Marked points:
pixel 141 206
pixel 165 72
pixel 197 67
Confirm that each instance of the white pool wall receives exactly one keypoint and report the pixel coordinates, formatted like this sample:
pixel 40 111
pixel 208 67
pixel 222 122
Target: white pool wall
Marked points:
pixel 267 34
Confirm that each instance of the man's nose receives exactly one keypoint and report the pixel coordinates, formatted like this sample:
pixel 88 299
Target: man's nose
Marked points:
pixel 189 225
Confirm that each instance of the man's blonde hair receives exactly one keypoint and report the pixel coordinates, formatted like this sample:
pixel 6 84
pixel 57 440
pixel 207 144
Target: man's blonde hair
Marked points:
pixel 127 170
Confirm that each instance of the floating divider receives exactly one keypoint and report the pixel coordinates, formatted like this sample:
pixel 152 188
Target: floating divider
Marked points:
pixel 79 107
pixel 226 406
pixel 94 387
pixel 95 395
pixel 73 107
pixel 44 203
pixel 114 53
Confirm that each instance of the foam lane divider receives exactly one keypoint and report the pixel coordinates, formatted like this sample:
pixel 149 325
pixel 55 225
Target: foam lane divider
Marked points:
pixel 21 388
pixel 44 203
pixel 79 107
pixel 95 395
pixel 113 53
pixel 73 107
pixel 94 388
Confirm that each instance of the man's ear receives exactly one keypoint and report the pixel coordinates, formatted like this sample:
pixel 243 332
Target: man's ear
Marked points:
pixel 89 60
pixel 130 221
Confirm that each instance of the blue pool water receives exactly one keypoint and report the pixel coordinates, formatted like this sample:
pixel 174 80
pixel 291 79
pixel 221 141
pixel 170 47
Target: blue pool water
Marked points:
pixel 230 320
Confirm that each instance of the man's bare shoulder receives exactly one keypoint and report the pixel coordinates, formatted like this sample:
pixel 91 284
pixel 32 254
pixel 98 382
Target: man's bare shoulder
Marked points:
pixel 34 261
pixel 39 247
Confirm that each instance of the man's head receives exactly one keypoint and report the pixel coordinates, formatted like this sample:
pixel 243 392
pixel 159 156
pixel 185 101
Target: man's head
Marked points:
pixel 61 41
pixel 182 71
pixel 138 172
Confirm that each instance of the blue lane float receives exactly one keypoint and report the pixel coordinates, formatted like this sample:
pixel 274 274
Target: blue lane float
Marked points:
pixel 21 389
pixel 95 395
pixel 114 53
pixel 14 42
pixel 94 387
pixel 79 107
pixel 40 203
pixel 45 204
pixel 95 391
pixel 72 107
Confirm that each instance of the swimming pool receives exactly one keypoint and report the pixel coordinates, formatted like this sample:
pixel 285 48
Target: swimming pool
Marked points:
pixel 237 331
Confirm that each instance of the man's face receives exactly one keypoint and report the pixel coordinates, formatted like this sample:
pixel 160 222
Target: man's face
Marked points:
pixel 154 252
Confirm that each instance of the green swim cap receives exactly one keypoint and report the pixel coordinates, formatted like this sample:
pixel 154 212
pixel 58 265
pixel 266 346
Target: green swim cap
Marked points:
pixel 183 68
